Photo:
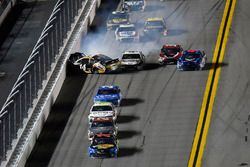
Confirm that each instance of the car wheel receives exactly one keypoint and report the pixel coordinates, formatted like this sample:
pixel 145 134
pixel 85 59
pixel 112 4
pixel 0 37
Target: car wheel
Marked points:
pixel 140 67
pixel 161 63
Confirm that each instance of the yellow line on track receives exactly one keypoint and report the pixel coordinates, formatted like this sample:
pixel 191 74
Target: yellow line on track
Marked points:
pixel 200 138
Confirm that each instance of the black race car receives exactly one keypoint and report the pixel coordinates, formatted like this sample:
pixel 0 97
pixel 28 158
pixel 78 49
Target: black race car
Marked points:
pixel 94 64
pixel 103 145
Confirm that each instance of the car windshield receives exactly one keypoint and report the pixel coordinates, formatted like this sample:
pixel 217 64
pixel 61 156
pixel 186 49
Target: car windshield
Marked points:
pixel 101 124
pixel 156 23
pixel 118 16
pixel 192 56
pixel 170 51
pixel 105 140
pixel 102 108
pixel 84 61
pixel 120 29
pixel 131 56
pixel 107 92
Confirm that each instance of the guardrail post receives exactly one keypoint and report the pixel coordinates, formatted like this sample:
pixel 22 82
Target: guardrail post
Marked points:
pixel 2 144
pixel 67 16
pixel 7 130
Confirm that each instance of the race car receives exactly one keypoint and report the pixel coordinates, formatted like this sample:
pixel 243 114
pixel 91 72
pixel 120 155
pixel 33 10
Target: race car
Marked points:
pixel 132 59
pixel 127 32
pixel 102 109
pixel 192 60
pixel 109 94
pixel 117 18
pixel 129 5
pixel 94 64
pixel 170 53
pixel 102 126
pixel 155 27
pixel 103 145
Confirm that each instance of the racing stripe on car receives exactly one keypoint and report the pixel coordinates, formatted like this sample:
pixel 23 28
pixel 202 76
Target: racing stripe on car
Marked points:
pixel 200 138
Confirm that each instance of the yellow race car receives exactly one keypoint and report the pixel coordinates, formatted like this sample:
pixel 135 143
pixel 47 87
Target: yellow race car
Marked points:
pixel 117 18
pixel 155 26
pixel 97 64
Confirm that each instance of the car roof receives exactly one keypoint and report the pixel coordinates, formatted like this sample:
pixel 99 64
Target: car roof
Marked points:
pixel 103 135
pixel 108 87
pixel 132 52
pixel 192 51
pixel 103 119
pixel 154 19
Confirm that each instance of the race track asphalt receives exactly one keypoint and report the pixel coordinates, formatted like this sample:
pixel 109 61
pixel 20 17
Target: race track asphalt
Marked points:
pixel 228 138
pixel 158 115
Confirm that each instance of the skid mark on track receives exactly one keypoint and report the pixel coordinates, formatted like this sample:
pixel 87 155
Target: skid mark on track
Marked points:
pixel 205 24
pixel 157 100
pixel 175 10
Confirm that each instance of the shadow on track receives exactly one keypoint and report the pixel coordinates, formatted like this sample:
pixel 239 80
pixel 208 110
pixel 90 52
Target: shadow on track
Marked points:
pixel 56 122
pixel 128 151
pixel 151 66
pixel 211 65
pixel 131 101
pixel 124 134
pixel 126 118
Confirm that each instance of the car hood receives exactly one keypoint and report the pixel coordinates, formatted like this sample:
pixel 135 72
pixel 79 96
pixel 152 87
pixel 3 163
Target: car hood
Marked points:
pixel 194 60
pixel 127 33
pixel 172 55
pixel 103 146
pixel 130 61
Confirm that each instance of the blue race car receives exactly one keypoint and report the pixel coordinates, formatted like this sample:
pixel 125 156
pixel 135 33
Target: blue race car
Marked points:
pixel 109 94
pixel 103 146
pixel 192 60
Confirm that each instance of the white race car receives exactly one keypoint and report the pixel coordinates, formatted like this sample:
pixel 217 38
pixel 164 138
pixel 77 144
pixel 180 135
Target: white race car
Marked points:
pixel 127 32
pixel 132 59
pixel 102 109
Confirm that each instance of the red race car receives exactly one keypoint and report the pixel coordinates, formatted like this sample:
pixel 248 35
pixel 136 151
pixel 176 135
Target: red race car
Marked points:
pixel 170 53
